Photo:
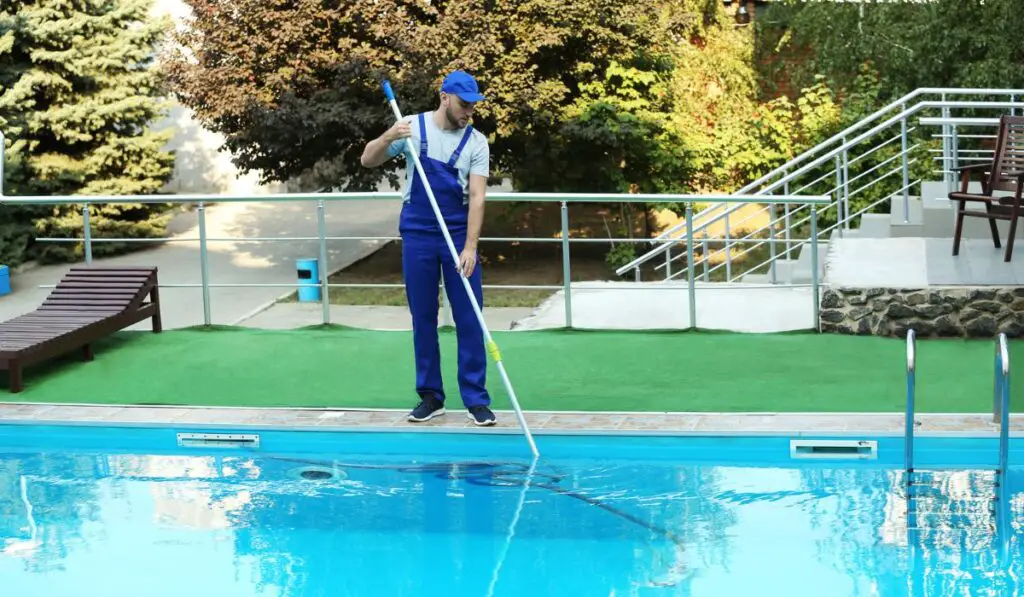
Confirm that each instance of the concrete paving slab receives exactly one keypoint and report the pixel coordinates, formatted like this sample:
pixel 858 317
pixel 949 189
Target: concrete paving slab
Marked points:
pixel 918 262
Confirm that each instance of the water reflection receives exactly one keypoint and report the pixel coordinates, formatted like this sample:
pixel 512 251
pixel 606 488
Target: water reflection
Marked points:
pixel 244 525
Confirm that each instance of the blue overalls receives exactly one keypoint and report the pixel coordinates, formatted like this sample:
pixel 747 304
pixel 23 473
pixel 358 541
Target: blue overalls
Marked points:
pixel 425 256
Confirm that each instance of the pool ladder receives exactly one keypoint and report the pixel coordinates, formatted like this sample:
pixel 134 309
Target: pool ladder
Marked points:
pixel 1000 414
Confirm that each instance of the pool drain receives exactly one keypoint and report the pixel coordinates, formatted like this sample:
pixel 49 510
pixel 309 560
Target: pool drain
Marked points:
pixel 317 473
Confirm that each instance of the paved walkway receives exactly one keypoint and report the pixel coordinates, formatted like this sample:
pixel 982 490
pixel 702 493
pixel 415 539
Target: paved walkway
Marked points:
pixel 234 262
pixel 595 305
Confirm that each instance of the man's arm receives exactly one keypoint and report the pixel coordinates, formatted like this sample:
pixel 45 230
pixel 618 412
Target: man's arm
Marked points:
pixel 477 195
pixel 386 146
pixel 479 170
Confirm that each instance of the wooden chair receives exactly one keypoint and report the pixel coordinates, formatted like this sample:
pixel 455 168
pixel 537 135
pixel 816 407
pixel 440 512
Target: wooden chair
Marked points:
pixel 1004 173
pixel 89 303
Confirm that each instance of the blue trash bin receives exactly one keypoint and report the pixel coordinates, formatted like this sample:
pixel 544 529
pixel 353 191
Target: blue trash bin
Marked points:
pixel 308 273
pixel 5 280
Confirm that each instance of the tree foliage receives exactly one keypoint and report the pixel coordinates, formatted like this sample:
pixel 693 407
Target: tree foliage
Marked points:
pixel 872 53
pixel 910 44
pixel 293 86
pixel 77 95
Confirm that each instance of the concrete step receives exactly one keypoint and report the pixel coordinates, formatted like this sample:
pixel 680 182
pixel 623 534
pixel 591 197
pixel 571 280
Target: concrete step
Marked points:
pixel 906 215
pixel 834 234
pixel 755 279
pixel 803 269
pixel 874 226
pixel 783 273
pixel 939 215
pixel 906 219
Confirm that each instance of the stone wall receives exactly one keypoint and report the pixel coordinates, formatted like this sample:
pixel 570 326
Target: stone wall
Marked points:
pixel 944 312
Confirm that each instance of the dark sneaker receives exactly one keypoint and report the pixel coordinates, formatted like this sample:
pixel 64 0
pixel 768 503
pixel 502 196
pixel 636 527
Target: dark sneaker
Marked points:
pixel 427 409
pixel 481 415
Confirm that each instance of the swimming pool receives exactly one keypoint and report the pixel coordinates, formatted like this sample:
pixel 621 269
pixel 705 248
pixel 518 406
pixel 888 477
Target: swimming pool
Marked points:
pixel 132 510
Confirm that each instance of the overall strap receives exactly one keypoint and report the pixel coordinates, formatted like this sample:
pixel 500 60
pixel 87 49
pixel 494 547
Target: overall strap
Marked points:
pixel 462 144
pixel 423 137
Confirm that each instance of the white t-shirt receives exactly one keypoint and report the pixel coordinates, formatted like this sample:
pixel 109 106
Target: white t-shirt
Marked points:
pixel 441 144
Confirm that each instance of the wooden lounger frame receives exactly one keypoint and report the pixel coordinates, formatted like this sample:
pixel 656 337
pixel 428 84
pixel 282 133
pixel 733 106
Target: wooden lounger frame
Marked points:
pixel 89 303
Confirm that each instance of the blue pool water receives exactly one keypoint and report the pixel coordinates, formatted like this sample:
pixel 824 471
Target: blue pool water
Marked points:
pixel 127 512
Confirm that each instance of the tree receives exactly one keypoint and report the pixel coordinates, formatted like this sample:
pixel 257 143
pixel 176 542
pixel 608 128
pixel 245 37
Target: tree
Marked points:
pixel 871 53
pixel 77 95
pixel 911 44
pixel 293 86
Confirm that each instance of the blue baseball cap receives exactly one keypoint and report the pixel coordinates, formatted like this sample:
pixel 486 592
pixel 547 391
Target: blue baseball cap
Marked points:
pixel 462 84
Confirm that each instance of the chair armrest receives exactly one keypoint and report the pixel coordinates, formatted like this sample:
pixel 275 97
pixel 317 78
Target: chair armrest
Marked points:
pixel 965 176
pixel 971 167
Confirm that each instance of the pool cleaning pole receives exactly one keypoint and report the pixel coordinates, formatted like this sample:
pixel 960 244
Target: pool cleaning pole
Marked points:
pixel 492 347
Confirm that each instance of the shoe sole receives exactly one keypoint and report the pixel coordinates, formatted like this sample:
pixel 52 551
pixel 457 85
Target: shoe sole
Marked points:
pixel 436 413
pixel 475 422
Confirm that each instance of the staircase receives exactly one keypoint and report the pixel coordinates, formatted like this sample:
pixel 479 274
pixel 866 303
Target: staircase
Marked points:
pixel 888 175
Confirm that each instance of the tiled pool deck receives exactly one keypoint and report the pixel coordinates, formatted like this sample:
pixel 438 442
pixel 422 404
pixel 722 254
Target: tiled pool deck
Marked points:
pixel 539 422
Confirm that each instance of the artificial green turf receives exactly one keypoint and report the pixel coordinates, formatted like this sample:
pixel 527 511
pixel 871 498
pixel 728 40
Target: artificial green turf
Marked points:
pixel 550 370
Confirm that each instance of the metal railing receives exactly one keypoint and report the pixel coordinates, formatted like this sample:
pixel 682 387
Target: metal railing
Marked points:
pixel 1001 405
pixel 908 430
pixel 826 169
pixel 1001 399
pixel 565 239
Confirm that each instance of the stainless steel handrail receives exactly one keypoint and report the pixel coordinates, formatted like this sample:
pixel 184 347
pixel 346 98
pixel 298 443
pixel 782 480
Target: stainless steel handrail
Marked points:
pixel 844 145
pixel 1002 404
pixel 1001 400
pixel 199 199
pixel 908 433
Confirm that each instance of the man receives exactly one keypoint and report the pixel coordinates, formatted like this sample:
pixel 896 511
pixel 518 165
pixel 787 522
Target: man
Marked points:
pixel 456 160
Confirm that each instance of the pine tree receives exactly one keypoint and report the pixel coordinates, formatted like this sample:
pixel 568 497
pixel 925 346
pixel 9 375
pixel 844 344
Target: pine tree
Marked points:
pixel 78 92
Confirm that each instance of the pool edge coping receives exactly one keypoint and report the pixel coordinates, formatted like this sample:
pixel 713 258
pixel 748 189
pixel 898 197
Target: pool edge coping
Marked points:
pixel 650 423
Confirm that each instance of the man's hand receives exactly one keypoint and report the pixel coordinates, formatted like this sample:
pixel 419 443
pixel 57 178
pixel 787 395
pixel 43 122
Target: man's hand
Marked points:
pixel 376 151
pixel 467 261
pixel 399 130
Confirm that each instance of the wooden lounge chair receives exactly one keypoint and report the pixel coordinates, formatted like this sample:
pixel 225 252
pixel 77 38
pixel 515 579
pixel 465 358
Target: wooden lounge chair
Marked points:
pixel 1004 173
pixel 89 303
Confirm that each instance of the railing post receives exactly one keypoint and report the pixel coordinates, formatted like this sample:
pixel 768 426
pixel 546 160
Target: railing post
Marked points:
pixel 954 148
pixel 668 261
pixel 567 268
pixel 908 432
pixel 1003 375
pixel 947 156
pixel 446 319
pixel 704 248
pixel 785 191
pixel 1004 424
pixel 846 187
pixel 728 247
pixel 690 281
pixel 86 233
pixel 814 266
pixel 839 197
pixel 321 225
pixel 906 166
pixel 204 264
pixel 771 241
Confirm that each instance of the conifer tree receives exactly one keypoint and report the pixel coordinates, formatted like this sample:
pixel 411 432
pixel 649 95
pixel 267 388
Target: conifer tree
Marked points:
pixel 77 97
